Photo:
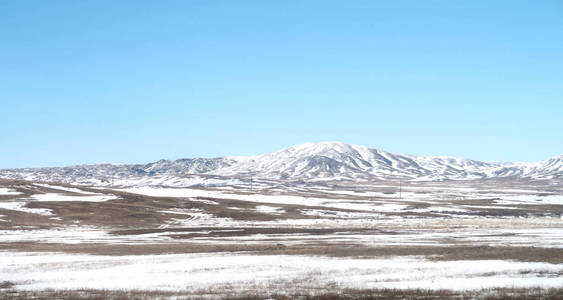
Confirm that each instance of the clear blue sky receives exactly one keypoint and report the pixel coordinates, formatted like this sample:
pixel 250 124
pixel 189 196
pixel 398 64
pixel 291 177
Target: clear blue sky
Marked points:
pixel 136 81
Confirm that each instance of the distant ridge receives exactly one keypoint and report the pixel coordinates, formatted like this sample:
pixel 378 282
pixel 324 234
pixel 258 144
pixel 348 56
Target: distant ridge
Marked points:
pixel 325 161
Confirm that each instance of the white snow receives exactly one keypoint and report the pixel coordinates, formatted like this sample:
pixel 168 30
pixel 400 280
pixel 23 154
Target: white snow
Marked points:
pixel 270 209
pixel 438 209
pixel 313 162
pixel 378 206
pixel 60 198
pixel 75 234
pixel 8 192
pixel 338 214
pixel 66 189
pixel 210 202
pixel 196 218
pixel 277 273
pixel 20 206
pixel 531 199
pixel 180 211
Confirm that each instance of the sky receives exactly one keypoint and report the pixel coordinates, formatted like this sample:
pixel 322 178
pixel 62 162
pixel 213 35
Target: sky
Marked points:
pixel 136 81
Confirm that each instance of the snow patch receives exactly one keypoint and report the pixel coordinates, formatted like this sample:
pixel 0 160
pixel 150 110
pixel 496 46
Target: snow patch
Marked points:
pixel 62 198
pixel 270 209
pixel 20 206
pixel 8 192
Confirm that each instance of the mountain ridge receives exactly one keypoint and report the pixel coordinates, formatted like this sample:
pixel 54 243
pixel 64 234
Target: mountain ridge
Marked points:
pixel 322 161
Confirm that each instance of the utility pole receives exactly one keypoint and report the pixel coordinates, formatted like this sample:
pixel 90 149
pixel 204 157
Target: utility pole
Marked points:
pixel 251 183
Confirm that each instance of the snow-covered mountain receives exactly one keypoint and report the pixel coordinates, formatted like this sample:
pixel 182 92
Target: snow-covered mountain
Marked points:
pixel 326 161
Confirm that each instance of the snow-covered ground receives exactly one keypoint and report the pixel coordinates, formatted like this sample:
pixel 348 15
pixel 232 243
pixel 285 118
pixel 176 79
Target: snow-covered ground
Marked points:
pixel 269 199
pixel 66 189
pixel 8 192
pixel 262 227
pixel 382 203
pixel 63 198
pixel 270 209
pixel 20 206
pixel 279 273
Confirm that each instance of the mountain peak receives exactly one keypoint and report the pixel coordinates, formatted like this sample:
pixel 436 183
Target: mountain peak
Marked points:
pixel 329 160
pixel 325 147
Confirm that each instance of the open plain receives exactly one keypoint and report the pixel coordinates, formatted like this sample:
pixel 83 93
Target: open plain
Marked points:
pixel 491 238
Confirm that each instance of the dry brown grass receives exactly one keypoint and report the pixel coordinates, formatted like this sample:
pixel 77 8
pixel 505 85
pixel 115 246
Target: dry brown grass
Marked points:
pixel 525 254
pixel 437 253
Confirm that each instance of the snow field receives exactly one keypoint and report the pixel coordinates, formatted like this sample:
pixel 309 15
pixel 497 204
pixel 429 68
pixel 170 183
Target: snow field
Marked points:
pixel 193 272
pixel 8 192
pixel 20 206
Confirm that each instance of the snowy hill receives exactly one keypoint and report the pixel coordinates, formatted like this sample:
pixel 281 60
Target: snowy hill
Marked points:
pixel 313 162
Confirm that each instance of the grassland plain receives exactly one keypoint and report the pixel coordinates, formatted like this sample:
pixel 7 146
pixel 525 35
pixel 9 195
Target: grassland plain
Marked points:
pixel 461 239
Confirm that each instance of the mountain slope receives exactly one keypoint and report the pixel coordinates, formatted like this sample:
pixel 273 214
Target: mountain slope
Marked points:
pixel 330 159
pixel 321 161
